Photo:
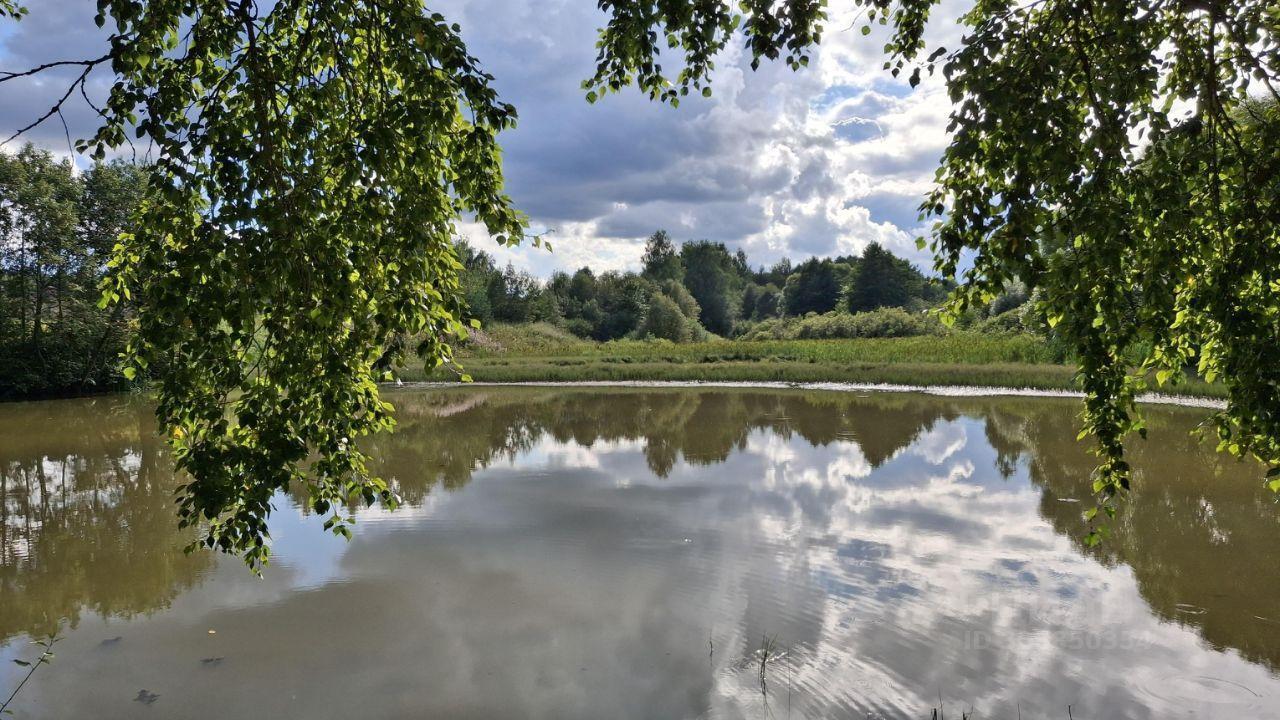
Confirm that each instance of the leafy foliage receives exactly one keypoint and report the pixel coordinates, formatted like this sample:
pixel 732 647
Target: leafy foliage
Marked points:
pixel 45 658
pixel 1101 151
pixel 311 158
pixel 505 295
pixel 664 321
pixel 662 259
pixel 712 278
pixel 11 9
pixel 56 233
pixel 659 302
pixel 813 287
pixel 881 323
pixel 882 280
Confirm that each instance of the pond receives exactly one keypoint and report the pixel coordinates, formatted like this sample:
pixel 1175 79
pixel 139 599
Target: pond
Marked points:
pixel 644 553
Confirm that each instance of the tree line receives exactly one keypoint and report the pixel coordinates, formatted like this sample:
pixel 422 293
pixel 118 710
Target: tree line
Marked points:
pixel 57 230
pixel 697 288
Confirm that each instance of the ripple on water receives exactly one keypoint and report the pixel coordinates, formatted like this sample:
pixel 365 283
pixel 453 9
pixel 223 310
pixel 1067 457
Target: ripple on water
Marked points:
pixel 1189 609
pixel 1187 693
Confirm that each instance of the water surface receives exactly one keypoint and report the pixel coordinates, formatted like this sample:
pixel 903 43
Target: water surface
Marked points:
pixel 633 553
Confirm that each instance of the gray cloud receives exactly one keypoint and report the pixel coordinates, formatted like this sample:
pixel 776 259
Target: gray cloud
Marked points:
pixel 776 162
pixel 55 30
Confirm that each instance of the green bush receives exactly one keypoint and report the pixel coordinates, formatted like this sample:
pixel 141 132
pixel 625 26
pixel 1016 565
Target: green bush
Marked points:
pixel 881 323
pixel 581 327
pixel 1008 321
pixel 665 321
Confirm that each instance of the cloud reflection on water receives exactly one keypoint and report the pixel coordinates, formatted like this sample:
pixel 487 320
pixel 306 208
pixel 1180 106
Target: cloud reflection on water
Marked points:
pixel 573 554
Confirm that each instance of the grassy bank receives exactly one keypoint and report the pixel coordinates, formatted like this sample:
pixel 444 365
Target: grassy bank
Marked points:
pixel 541 353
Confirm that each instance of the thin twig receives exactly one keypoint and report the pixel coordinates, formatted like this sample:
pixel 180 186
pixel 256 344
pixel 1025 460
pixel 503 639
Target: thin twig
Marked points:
pixel 6 76
pixel 57 107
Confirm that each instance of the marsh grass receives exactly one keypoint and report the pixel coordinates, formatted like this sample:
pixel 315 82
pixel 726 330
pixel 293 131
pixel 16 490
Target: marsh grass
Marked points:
pixel 543 353
pixel 768 651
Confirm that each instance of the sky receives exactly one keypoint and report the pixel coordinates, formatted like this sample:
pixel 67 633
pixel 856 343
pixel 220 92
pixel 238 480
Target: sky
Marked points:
pixel 819 162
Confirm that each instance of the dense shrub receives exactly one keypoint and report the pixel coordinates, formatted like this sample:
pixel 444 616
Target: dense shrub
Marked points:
pixel 882 323
pixel 1014 296
pixel 680 295
pixel 580 327
pixel 665 321
pixel 1013 320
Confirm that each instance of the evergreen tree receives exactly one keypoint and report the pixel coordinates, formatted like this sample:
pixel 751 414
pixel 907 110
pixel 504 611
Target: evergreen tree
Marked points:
pixel 813 287
pixel 882 280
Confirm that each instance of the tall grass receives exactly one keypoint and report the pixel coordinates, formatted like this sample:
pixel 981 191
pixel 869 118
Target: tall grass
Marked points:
pixel 543 353
pixel 548 342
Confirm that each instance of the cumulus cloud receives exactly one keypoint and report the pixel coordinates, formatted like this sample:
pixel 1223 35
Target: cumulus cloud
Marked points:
pixel 778 163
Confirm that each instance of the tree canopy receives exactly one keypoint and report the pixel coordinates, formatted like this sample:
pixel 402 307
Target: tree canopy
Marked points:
pixel 311 159
pixel 57 229
pixel 813 287
pixel 616 305
pixel 882 280
pixel 711 275
pixel 1108 152
pixel 662 259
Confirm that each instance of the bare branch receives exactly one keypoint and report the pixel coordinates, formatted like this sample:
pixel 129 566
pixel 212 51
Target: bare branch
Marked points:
pixel 87 64
pixel 56 109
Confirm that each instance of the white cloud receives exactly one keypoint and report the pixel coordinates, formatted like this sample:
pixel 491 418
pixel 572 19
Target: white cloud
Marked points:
pixel 779 163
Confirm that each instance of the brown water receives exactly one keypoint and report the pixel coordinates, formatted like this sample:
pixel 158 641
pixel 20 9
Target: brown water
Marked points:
pixel 586 553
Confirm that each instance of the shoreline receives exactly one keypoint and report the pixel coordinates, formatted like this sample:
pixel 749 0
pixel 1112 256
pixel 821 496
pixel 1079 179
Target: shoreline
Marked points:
pixel 1191 401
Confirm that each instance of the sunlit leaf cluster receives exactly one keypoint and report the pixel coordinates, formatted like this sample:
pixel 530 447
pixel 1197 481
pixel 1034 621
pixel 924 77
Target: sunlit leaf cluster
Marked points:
pixel 311 160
